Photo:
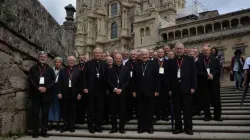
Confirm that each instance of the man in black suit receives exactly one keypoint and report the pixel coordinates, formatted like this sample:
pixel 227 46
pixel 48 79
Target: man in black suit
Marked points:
pixel 162 101
pixel 210 74
pixel 41 80
pixel 95 85
pixel 182 84
pixel 83 103
pixel 70 91
pixel 146 87
pixel 118 81
pixel 131 101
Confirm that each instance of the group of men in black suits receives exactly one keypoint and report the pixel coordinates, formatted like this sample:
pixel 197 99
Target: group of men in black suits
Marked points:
pixel 144 86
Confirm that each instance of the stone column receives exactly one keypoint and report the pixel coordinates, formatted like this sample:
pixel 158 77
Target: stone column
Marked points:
pixel 230 25
pixel 174 35
pixel 221 26
pixel 196 30
pixel 69 26
pixel 212 28
pixel 188 32
pixel 204 29
pixel 239 25
pixel 181 34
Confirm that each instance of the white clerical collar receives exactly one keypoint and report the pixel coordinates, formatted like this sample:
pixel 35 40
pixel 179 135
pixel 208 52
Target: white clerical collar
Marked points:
pixel 161 59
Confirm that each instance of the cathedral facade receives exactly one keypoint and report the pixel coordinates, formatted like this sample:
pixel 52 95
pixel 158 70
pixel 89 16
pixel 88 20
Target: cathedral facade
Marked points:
pixel 122 24
pixel 136 24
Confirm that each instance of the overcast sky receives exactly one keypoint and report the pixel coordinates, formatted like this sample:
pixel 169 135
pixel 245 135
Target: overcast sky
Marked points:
pixel 56 7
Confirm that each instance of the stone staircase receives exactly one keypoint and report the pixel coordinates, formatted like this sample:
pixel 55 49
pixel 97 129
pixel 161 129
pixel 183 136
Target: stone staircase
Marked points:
pixel 236 124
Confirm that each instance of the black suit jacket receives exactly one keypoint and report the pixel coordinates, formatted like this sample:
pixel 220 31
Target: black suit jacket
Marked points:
pixel 215 69
pixel 90 76
pixel 123 78
pixel 148 84
pixel 76 81
pixel 188 75
pixel 34 78
pixel 163 77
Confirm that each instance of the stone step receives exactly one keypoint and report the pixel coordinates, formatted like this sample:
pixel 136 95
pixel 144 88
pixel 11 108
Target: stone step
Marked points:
pixel 235 98
pixel 234 108
pixel 196 128
pixel 234 104
pixel 156 135
pixel 233 95
pixel 201 122
pixel 235 101
pixel 231 92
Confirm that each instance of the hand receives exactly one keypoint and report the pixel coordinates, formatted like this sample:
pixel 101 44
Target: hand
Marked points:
pixel 40 89
pixel 170 93
pixel 118 91
pixel 156 94
pixel 79 97
pixel 210 76
pixel 134 94
pixel 59 96
pixel 44 89
pixel 192 91
pixel 231 72
pixel 85 91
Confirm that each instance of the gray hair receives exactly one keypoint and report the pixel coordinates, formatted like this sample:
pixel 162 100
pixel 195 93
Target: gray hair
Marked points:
pixel 71 57
pixel 42 53
pixel 97 49
pixel 144 51
pixel 179 44
pixel 58 59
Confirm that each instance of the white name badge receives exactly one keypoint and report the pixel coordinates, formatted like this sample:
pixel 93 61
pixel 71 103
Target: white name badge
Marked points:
pixel 131 74
pixel 161 71
pixel 179 73
pixel 56 79
pixel 41 81
pixel 208 70
pixel 70 83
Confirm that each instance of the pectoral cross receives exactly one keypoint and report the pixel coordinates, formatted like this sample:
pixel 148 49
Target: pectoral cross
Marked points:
pixel 98 75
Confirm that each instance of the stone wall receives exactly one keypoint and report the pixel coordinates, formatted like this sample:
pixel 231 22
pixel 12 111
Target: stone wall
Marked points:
pixel 25 29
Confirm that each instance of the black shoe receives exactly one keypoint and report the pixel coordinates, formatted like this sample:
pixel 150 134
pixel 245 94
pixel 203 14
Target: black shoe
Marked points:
pixel 45 135
pixel 177 131
pixel 207 119
pixel 156 120
pixel 122 131
pixel 150 131
pixel 98 130
pixel 113 131
pixel 63 130
pixel 219 119
pixel 50 128
pixel 165 119
pixel 35 135
pixel 189 132
pixel 58 128
pixel 140 131
pixel 72 130
pixel 92 131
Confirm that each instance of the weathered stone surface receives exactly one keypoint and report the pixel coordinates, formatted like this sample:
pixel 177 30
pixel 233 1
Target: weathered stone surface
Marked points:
pixel 25 29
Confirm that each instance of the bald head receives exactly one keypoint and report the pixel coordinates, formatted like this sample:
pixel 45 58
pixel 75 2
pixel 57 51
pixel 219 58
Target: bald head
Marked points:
pixel 160 53
pixel 206 50
pixel 109 61
pixel 71 61
pixel 97 53
pixel 118 59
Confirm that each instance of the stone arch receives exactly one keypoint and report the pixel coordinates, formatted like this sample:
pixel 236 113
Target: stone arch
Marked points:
pixel 209 28
pixel 192 31
pixel 142 32
pixel 164 36
pixel 171 36
pixel 217 26
pixel 185 33
pixel 147 31
pixel 200 30
pixel 225 25
pixel 178 34
pixel 245 21
pixel 234 23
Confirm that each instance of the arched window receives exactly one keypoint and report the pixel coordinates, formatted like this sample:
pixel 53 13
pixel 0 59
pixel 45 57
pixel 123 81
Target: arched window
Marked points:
pixel 114 8
pixel 141 32
pixel 147 31
pixel 114 30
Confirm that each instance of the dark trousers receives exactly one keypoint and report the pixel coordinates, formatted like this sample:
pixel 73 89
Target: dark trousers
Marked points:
pixel 37 106
pixel 95 111
pixel 214 93
pixel 118 102
pixel 197 102
pixel 182 101
pixel 106 107
pixel 69 111
pixel 131 106
pixel 145 112
pixel 82 106
pixel 162 105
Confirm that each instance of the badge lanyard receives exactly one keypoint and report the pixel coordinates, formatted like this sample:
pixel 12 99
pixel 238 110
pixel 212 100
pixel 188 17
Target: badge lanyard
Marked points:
pixel 81 68
pixel 97 70
pixel 41 72
pixel 179 68
pixel 70 74
pixel 160 63
pixel 143 70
